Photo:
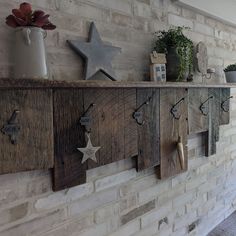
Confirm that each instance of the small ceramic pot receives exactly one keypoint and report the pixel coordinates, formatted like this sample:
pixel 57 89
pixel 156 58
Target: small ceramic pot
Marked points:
pixel 173 63
pixel 230 76
pixel 29 53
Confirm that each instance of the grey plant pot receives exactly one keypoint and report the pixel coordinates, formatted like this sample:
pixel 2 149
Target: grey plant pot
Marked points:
pixel 173 63
pixel 29 53
pixel 230 76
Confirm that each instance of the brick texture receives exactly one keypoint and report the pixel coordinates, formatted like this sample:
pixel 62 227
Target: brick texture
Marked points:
pixel 116 200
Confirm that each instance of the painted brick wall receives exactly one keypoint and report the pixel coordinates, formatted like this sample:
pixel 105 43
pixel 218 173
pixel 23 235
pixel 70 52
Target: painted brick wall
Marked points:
pixel 116 200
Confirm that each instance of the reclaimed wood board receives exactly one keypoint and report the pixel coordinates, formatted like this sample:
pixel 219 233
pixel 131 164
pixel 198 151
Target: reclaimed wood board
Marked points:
pixel 9 83
pixel 224 115
pixel 149 132
pixel 130 126
pixel 170 131
pixel 197 122
pixel 68 136
pixel 112 125
pixel 213 122
pixel 34 148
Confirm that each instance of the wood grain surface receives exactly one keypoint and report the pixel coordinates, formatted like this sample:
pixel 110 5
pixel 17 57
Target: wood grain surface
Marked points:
pixel 68 136
pixel 112 125
pixel 224 116
pixel 9 83
pixel 213 122
pixel 170 131
pixel 197 122
pixel 149 132
pixel 34 148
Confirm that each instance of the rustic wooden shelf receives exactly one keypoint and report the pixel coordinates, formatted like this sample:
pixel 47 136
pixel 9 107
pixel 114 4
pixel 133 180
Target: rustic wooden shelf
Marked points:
pixel 143 120
pixel 7 83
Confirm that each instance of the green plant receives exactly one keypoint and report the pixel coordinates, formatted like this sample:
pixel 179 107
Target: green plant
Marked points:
pixel 231 67
pixel 174 38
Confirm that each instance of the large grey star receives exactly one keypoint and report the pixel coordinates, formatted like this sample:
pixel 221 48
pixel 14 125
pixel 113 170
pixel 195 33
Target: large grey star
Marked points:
pixel 89 152
pixel 98 56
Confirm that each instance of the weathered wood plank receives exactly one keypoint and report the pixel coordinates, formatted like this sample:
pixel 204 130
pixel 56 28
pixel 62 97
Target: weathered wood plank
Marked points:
pixel 9 83
pixel 213 122
pixel 34 148
pixel 68 136
pixel 110 118
pixel 149 132
pixel 130 126
pixel 224 97
pixel 197 122
pixel 170 131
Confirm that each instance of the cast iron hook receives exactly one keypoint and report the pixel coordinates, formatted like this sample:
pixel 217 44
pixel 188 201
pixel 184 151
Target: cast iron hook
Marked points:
pixel 137 115
pixel 203 108
pixel 174 110
pixel 86 120
pixel 224 105
pixel 12 128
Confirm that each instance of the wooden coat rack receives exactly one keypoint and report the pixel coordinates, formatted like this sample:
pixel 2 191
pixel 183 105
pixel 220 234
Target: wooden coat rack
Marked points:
pixel 143 120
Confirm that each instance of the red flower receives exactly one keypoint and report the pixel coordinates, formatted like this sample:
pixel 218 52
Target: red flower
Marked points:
pixel 25 16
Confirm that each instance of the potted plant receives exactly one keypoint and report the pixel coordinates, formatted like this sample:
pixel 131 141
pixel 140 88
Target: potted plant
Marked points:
pixel 29 48
pixel 179 53
pixel 230 73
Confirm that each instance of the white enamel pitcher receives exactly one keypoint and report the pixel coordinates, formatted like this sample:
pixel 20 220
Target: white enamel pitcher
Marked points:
pixel 30 55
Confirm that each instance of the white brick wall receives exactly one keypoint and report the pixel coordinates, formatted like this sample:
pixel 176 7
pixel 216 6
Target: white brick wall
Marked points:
pixel 207 192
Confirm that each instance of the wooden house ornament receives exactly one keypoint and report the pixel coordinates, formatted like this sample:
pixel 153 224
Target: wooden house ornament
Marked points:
pixel 158 67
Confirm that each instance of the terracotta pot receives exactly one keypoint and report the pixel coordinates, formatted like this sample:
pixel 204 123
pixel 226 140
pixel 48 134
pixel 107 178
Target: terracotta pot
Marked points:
pixel 29 53
pixel 172 66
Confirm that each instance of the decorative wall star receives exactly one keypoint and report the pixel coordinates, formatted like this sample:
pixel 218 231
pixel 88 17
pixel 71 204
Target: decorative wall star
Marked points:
pixel 89 152
pixel 98 56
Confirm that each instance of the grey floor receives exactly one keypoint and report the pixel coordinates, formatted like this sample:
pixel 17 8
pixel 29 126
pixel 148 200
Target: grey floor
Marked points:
pixel 226 228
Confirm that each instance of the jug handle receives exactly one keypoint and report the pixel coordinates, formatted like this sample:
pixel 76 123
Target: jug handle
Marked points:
pixel 26 32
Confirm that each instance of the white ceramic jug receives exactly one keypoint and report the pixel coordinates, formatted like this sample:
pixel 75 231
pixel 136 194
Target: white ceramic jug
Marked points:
pixel 29 53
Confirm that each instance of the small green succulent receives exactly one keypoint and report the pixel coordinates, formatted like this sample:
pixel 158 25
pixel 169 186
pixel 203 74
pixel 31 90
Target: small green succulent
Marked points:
pixel 231 67
pixel 174 38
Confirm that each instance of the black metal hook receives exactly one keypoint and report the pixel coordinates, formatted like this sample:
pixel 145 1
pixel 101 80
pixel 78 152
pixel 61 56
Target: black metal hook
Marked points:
pixel 86 120
pixel 137 115
pixel 12 128
pixel 225 105
pixel 89 107
pixel 174 110
pixel 203 108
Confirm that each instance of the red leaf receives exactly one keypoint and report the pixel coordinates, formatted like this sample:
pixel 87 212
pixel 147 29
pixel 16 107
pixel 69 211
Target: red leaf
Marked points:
pixel 26 17
pixel 38 14
pixel 11 21
pixel 49 26
pixel 17 13
pixel 42 21
pixel 25 8
pixel 21 22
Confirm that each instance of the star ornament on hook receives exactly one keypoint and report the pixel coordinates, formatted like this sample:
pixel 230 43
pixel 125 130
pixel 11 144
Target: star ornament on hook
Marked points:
pixel 98 56
pixel 89 152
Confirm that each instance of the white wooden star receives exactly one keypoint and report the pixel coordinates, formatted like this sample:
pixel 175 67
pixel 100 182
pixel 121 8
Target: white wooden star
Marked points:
pixel 89 152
